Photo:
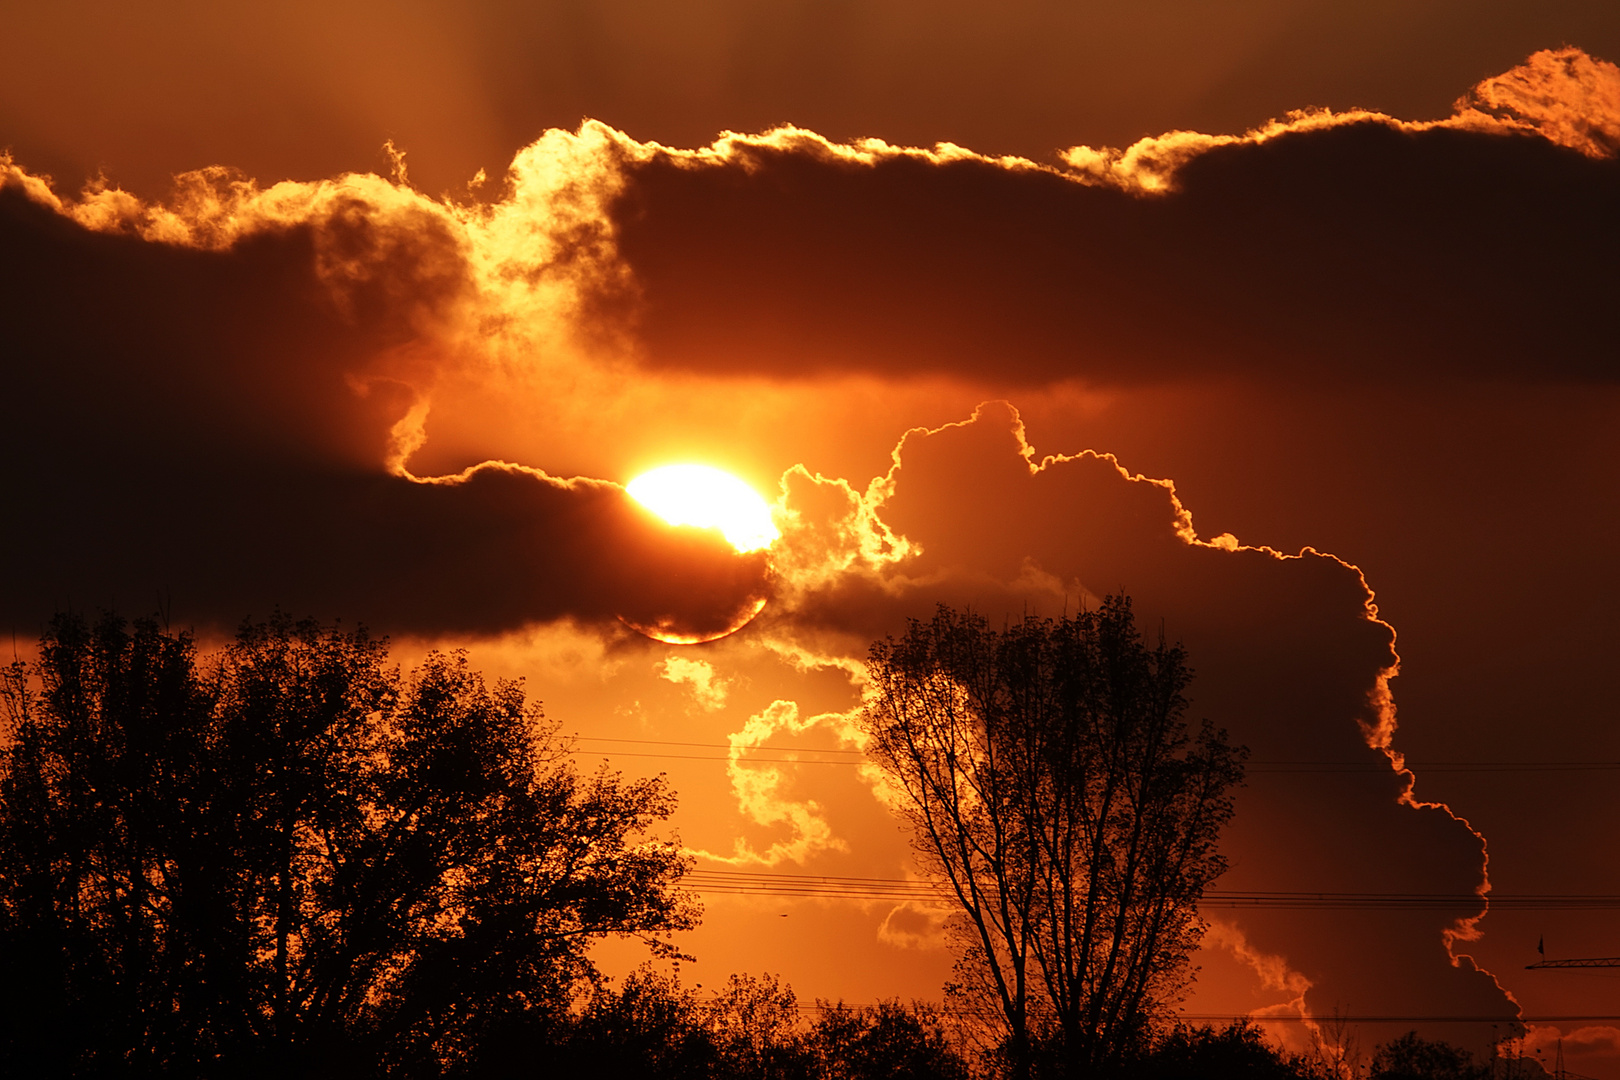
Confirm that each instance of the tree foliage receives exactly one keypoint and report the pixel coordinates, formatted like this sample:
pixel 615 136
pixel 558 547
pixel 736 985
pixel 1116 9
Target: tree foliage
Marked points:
pixel 1239 1049
pixel 752 1029
pixel 1411 1057
pixel 886 1041
pixel 1054 787
pixel 287 859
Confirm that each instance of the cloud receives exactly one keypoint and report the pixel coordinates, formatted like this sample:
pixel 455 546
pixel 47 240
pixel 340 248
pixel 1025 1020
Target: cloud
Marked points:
pixel 1274 972
pixel 219 417
pixel 708 689
pixel 1592 1039
pixel 1294 1026
pixel 1325 245
pixel 316 395
pixel 1563 95
pixel 231 378
pixel 915 925
pixel 762 791
pixel 1291 660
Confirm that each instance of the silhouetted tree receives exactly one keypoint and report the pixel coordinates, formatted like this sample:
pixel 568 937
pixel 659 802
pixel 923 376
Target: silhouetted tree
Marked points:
pixel 1053 786
pixel 755 1022
pixel 288 860
pixel 651 1027
pixel 1238 1051
pixel 1413 1058
pixel 888 1041
pixel 751 1029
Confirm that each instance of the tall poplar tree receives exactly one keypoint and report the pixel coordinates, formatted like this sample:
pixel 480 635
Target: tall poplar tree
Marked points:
pixel 1054 787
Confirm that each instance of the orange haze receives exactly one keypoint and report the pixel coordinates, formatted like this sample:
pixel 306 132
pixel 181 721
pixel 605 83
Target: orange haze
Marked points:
pixel 1297 389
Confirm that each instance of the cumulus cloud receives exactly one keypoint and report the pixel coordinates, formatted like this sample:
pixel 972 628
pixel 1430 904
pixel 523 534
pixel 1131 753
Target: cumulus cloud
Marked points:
pixel 1597 1039
pixel 915 925
pixel 1291 659
pixel 787 253
pixel 1277 978
pixel 1561 95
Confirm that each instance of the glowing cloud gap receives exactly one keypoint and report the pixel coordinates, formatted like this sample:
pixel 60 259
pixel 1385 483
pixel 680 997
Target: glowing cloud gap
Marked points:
pixel 707 498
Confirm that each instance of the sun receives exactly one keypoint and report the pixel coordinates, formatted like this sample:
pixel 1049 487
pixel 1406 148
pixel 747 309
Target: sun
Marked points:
pixel 708 498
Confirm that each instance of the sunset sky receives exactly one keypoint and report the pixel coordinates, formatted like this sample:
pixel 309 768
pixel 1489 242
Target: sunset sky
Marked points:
pixel 1295 322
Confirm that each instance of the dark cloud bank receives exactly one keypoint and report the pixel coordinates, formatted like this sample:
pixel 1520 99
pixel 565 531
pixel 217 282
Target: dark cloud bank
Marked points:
pixel 1353 250
pixel 210 420
pixel 184 429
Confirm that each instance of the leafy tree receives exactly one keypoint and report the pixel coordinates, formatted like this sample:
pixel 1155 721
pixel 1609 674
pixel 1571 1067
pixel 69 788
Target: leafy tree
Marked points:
pixel 1053 786
pixel 651 1027
pixel 886 1042
pixel 1413 1058
pixel 755 1022
pixel 1239 1050
pixel 288 860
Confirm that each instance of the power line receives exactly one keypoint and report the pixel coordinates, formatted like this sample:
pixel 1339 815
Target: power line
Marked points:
pixel 749 882
pixel 1405 1019
pixel 719 757
pixel 743 882
pixel 721 746
pixel 858 757
pixel 1292 1018
pixel 1437 766
pixel 1380 1018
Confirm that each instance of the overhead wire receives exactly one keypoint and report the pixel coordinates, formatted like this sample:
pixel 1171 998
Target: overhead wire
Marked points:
pixel 858 757
pixel 752 882
pixel 1290 1018
pixel 742 882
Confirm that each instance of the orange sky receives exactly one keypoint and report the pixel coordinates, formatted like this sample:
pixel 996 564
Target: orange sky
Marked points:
pixel 1207 361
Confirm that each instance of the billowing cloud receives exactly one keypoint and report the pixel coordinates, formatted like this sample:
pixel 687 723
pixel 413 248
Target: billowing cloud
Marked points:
pixel 1292 660
pixel 181 83
pixel 1563 95
pixel 1293 1024
pixel 762 791
pixel 915 925
pixel 1329 249
pixel 1542 1042
pixel 204 418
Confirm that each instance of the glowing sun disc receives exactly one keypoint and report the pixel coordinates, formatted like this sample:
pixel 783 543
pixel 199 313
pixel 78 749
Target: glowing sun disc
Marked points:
pixel 708 498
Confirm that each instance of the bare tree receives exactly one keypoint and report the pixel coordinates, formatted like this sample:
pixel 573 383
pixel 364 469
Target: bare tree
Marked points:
pixel 1053 785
